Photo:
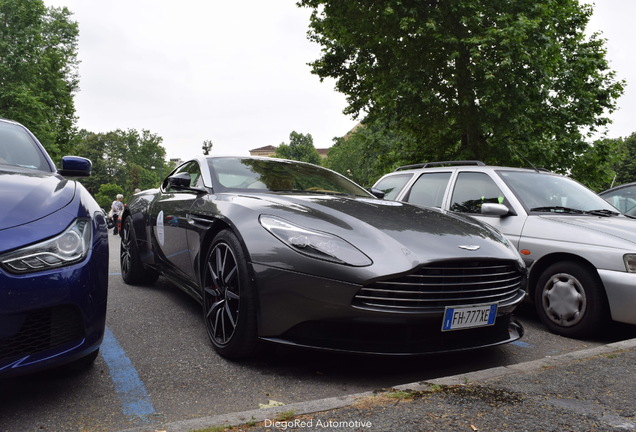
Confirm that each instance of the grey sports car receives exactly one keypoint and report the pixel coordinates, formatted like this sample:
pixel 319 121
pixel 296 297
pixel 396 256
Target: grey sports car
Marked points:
pixel 293 253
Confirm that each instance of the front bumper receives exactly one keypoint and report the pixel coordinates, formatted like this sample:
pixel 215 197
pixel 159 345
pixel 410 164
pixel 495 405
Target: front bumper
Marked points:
pixel 620 288
pixel 51 318
pixel 309 311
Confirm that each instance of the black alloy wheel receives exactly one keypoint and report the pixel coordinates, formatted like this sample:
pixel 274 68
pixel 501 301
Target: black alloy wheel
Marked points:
pixel 229 299
pixel 132 270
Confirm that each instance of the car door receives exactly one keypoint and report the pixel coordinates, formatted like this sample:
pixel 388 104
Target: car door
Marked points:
pixel 170 213
pixel 471 189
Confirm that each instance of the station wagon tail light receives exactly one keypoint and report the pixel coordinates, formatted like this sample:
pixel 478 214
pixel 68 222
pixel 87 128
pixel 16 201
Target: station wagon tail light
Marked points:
pixel 630 262
pixel 67 248
pixel 316 244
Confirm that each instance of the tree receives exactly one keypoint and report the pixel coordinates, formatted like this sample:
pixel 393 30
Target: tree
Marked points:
pixel 38 71
pixel 625 164
pixel 471 79
pixel 128 159
pixel 107 194
pixel 300 148
pixel 370 151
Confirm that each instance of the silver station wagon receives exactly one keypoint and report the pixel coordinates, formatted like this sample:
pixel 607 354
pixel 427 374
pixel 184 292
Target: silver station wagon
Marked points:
pixel 580 251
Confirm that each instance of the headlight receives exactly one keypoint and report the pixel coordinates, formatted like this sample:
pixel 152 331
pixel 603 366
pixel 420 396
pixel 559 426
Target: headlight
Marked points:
pixel 315 244
pixel 67 248
pixel 630 263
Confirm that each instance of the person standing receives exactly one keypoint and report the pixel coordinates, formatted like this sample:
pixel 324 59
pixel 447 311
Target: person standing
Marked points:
pixel 118 209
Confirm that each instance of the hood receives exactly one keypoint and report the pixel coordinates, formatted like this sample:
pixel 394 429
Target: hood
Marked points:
pixel 613 231
pixel 376 226
pixel 31 195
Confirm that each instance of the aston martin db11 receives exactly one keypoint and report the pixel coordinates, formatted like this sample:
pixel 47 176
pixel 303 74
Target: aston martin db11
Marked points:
pixel 289 252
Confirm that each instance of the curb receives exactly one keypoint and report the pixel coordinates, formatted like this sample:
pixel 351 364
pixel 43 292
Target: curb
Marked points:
pixel 328 404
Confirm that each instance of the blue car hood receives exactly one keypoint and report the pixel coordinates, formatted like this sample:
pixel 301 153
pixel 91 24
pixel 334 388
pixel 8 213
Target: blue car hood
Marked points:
pixel 27 195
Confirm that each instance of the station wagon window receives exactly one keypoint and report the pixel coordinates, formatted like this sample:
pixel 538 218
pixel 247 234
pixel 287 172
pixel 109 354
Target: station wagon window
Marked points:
pixel 428 190
pixel 393 185
pixel 472 189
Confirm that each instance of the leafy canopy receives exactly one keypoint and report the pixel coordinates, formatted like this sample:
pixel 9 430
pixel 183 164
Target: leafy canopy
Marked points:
pixel 471 79
pixel 38 71
pixel 300 148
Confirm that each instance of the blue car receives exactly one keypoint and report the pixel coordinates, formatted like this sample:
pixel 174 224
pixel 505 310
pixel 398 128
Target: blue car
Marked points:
pixel 53 259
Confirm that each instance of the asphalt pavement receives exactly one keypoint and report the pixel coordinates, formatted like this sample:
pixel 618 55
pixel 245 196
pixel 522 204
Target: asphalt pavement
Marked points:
pixel 582 391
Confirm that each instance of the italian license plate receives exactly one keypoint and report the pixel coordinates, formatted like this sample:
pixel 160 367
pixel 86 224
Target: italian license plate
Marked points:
pixel 456 318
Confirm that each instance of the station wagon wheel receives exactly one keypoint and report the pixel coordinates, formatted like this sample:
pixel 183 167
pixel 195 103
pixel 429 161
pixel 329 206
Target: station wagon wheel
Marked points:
pixel 570 301
pixel 229 299
pixel 132 270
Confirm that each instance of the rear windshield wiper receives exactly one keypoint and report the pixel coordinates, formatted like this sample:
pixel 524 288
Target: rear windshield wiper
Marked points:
pixel 557 209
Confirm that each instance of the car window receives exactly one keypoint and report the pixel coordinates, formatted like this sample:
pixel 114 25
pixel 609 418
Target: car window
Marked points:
pixel 539 191
pixel 623 199
pixel 472 189
pixel 17 148
pixel 274 175
pixel 192 168
pixel 392 185
pixel 428 189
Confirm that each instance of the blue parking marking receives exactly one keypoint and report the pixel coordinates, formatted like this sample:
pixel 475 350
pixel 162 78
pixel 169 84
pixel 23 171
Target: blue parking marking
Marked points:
pixel 521 344
pixel 130 389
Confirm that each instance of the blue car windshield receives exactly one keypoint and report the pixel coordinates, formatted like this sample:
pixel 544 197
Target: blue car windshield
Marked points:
pixel 18 149
pixel 543 192
pixel 275 175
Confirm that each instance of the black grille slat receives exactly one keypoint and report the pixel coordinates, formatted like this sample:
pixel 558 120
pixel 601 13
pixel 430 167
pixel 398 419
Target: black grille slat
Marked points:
pixel 42 330
pixel 448 284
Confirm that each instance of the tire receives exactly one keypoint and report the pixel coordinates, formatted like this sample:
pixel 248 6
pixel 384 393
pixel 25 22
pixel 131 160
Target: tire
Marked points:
pixel 229 299
pixel 132 270
pixel 570 300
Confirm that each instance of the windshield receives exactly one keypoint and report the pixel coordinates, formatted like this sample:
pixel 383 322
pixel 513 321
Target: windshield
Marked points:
pixel 275 175
pixel 17 148
pixel 543 192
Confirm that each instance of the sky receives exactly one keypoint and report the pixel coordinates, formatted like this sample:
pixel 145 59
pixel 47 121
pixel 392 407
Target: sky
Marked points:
pixel 236 73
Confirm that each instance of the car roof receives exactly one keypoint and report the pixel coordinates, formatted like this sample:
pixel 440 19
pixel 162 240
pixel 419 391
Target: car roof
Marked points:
pixel 470 164
pixel 615 188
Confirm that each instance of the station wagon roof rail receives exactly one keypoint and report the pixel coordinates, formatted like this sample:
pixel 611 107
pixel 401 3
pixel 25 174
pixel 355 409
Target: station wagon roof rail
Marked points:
pixel 441 163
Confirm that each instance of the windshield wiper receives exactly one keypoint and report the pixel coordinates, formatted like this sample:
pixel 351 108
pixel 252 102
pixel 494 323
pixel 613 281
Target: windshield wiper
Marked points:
pixel 560 209
pixel 557 209
pixel 602 212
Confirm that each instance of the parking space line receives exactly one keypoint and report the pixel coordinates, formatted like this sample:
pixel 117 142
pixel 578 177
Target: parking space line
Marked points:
pixel 130 389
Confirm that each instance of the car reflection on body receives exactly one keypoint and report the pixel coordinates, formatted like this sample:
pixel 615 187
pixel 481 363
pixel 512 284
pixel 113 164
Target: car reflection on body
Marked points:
pixel 53 259
pixel 292 253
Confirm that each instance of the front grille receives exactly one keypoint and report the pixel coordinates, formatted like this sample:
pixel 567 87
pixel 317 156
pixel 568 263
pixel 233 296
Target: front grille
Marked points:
pixel 42 330
pixel 450 283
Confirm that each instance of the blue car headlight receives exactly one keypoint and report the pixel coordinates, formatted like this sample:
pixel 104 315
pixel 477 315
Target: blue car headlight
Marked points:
pixel 316 244
pixel 67 248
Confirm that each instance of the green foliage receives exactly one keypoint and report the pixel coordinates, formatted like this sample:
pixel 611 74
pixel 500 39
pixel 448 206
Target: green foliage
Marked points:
pixel 300 148
pixel 625 165
pixel 38 71
pixel 128 159
pixel 369 152
pixel 107 194
pixel 471 79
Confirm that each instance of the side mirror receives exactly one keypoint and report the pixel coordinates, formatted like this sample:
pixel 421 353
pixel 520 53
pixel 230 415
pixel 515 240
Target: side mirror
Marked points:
pixel 376 192
pixel 75 166
pixel 492 209
pixel 179 181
